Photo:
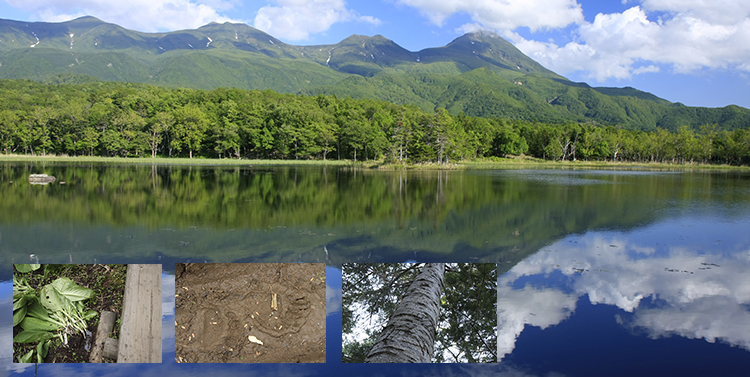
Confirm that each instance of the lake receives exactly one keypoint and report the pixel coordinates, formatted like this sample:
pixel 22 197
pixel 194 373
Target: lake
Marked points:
pixel 601 272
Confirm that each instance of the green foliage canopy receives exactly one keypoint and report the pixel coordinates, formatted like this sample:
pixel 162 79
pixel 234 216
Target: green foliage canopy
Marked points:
pixel 135 120
pixel 468 319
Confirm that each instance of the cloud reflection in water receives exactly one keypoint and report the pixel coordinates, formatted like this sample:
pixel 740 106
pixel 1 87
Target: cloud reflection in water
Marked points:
pixel 683 289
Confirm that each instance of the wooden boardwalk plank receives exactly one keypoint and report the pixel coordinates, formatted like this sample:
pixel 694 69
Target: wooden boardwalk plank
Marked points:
pixel 140 334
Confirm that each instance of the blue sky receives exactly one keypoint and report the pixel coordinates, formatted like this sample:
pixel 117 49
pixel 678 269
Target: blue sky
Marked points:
pixel 692 51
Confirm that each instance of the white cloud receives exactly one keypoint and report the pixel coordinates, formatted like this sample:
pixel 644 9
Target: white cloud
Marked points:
pixel 503 14
pixel 370 20
pixel 141 15
pixel 472 27
pixel 297 19
pixel 616 45
pixel 714 11
pixel 684 35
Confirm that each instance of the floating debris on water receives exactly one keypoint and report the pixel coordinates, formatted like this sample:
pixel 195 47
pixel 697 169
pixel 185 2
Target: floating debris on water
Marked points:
pixel 41 179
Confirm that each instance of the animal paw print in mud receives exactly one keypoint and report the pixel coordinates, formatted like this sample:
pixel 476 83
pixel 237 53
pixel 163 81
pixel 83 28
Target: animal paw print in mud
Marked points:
pixel 211 328
pixel 297 311
pixel 292 315
pixel 205 329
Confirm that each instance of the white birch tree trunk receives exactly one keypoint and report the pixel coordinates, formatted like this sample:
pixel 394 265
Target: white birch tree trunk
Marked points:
pixel 409 336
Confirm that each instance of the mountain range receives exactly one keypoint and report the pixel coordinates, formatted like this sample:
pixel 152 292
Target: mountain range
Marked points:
pixel 479 74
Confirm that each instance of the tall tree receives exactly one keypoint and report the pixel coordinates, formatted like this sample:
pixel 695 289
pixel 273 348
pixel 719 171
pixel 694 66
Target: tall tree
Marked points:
pixel 190 128
pixel 160 125
pixel 409 336
pixel 354 135
pixel 8 130
pixel 401 136
pixel 89 140
pixel 708 135
pixel 40 118
pixel 125 135
pixel 509 142
pixel 467 325
pixel 227 130
pixel 326 132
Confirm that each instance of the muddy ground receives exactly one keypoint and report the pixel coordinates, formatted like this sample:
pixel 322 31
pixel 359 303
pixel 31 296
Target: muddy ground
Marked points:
pixel 218 306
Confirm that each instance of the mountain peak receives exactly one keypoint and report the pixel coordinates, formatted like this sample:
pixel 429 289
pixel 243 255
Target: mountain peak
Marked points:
pixel 496 50
pixel 364 39
pixel 85 22
pixel 483 34
pixel 365 56
pixel 227 24
pixel 87 19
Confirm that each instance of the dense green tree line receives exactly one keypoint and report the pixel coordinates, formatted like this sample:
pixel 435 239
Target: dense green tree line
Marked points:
pixel 115 119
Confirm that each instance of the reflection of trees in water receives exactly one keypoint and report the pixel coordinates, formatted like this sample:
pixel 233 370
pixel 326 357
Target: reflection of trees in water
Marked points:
pixel 260 197
pixel 359 215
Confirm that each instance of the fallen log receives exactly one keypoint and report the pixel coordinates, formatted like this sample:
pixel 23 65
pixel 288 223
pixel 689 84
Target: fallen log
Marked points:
pixel 106 323
pixel 41 179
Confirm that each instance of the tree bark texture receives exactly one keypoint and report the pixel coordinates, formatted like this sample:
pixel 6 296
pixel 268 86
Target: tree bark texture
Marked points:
pixel 409 336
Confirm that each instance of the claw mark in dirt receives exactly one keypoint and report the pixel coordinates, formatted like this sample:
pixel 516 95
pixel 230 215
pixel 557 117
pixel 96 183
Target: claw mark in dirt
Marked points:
pixel 288 319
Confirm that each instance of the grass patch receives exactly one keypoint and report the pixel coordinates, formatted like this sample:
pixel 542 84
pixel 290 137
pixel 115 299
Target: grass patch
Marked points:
pixel 521 162
pixel 174 161
pixel 535 163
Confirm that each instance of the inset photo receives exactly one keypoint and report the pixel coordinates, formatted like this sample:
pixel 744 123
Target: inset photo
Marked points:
pixel 419 313
pixel 58 307
pixel 250 313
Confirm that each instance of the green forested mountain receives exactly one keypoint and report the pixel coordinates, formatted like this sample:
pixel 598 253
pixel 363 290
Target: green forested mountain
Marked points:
pixel 533 97
pixel 479 74
pixel 228 55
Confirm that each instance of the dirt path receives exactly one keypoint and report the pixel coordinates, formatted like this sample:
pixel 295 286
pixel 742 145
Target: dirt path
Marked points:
pixel 218 306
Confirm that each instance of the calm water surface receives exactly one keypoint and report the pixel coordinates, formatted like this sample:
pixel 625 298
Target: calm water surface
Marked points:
pixel 602 272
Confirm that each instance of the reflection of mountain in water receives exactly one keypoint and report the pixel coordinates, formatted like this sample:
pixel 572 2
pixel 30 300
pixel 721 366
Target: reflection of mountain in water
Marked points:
pixel 691 284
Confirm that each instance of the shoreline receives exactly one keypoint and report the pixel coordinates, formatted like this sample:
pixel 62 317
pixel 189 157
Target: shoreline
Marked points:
pixel 508 163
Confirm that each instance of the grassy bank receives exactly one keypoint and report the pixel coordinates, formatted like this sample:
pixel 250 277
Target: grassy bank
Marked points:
pixel 544 164
pixel 495 163
pixel 172 161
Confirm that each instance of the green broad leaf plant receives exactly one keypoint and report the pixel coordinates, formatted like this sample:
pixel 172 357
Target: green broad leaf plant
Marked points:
pixel 54 311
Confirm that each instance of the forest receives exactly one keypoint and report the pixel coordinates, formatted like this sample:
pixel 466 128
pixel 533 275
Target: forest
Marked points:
pixel 138 120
